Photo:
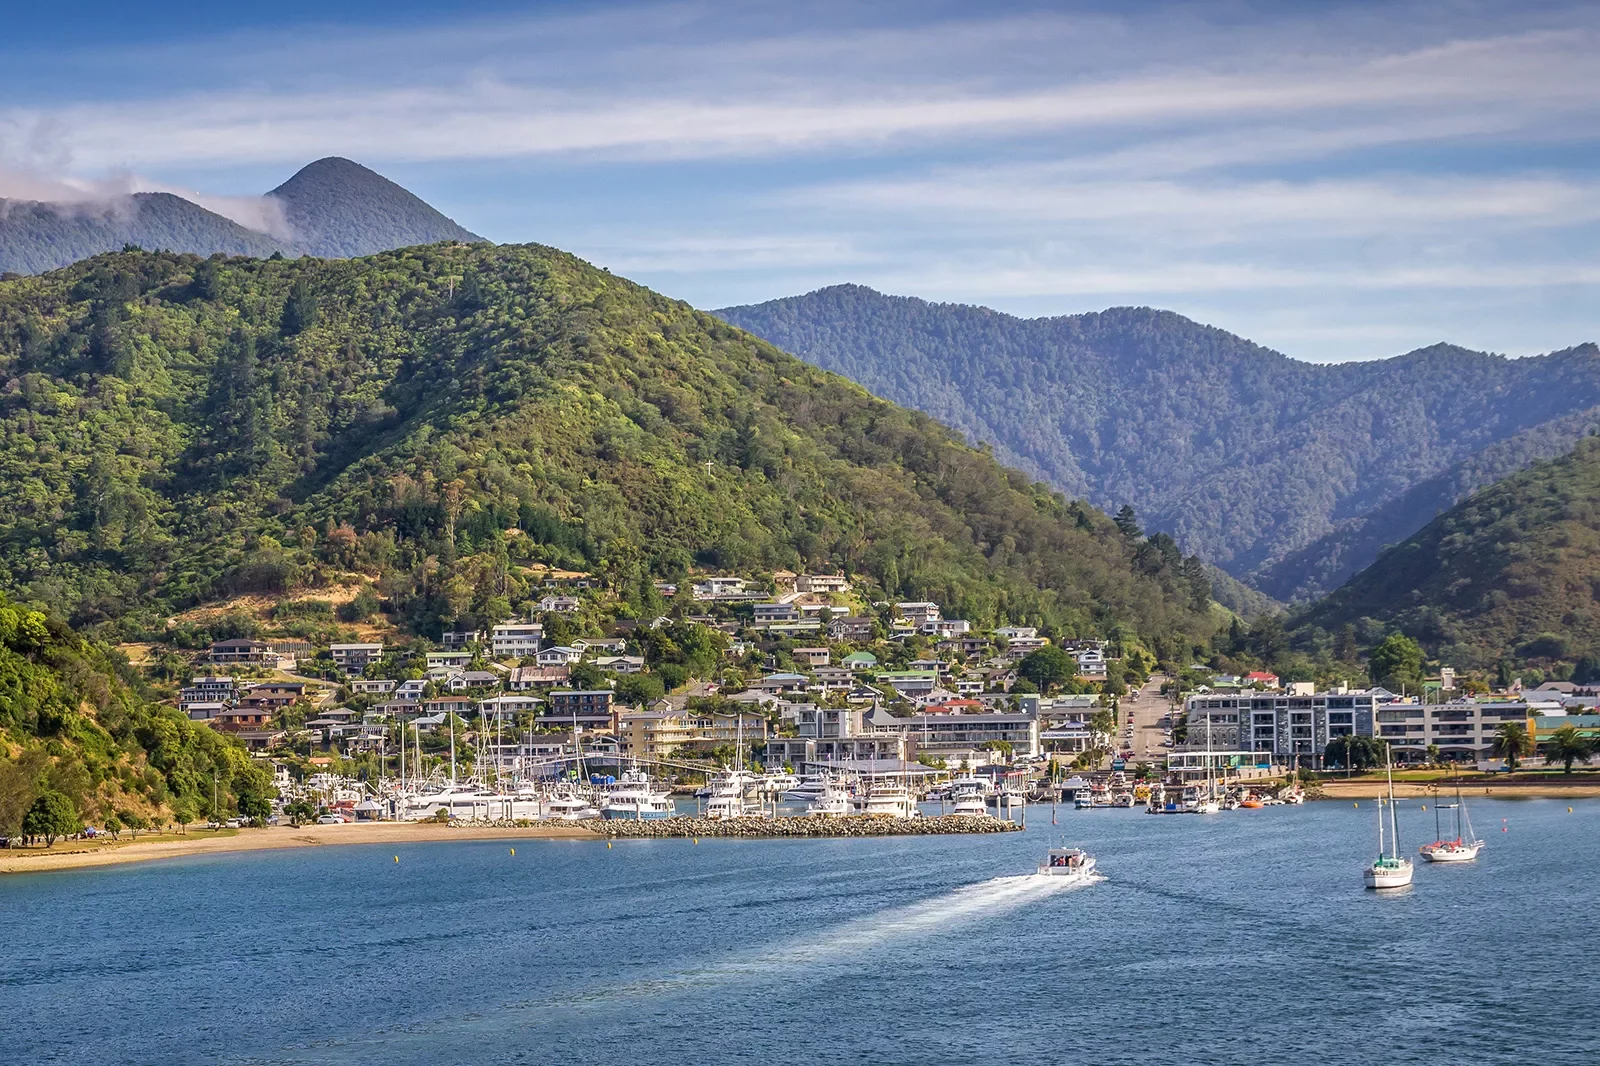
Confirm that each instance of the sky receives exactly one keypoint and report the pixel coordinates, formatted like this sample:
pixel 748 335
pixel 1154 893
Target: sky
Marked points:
pixel 1332 180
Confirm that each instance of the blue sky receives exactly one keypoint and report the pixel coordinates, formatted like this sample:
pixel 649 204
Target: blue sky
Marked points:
pixel 1333 180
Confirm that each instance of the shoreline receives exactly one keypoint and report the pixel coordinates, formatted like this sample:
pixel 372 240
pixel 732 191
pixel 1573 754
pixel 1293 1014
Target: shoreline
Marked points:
pixel 1482 789
pixel 78 855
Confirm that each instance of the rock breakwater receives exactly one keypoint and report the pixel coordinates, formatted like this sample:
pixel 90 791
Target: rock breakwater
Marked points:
pixel 801 826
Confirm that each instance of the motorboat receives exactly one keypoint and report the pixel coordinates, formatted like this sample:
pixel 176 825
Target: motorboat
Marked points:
pixel 1122 799
pixel 566 804
pixel 834 802
pixel 807 788
pixel 634 798
pixel 970 802
pixel 890 799
pixel 1071 863
pixel 1388 870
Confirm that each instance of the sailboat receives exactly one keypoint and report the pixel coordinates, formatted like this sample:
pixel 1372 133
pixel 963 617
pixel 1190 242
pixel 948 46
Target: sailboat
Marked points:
pixel 1388 871
pixel 1465 846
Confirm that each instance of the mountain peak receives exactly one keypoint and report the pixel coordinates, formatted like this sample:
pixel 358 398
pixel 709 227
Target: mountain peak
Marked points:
pixel 339 208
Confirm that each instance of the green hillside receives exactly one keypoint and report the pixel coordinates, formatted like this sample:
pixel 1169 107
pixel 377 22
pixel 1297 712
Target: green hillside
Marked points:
pixel 340 208
pixel 1289 475
pixel 75 721
pixel 1513 570
pixel 173 430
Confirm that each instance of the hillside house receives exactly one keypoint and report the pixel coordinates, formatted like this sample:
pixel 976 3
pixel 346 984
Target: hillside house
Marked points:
pixel 239 650
pixel 354 658
pixel 516 640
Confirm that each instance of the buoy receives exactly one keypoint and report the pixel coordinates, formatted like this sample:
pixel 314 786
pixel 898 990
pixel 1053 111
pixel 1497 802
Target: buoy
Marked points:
pixel 397 858
pixel 1424 806
pixel 1355 804
pixel 608 845
pixel 1569 810
pixel 513 851
pixel 697 840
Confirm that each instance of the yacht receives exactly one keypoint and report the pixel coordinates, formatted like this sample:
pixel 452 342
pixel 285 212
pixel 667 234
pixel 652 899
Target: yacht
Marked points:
pixel 1388 871
pixel 807 788
pixel 1071 863
pixel 969 801
pixel 1464 847
pixel 833 802
pixel 727 799
pixel 1122 799
pixel 634 798
pixel 566 804
pixel 891 799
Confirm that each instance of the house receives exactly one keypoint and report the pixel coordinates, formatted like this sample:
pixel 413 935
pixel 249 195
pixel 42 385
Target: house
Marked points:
pixel 826 737
pixel 971 738
pixel 938 666
pixel 811 656
pixel 410 691
pixel 966 645
pixel 233 719
pixel 457 639
pixel 506 708
pixel 784 580
pixel 564 703
pixel 273 696
pixel 853 627
pixel 354 658
pixel 968 686
pixel 1019 647
pixel 448 705
pixel 558 656
pixel 777 684
pixel 377 686
pixel 776 613
pixel 621 664
pixel 947 627
pixel 559 604
pixel 240 650
pixel 822 583
pixel 918 613
pixel 516 640
pixel 859 660
pixel 1017 632
pixel 720 588
pixel 481 679
pixel 831 677
pixel 203 710
pixel 1091 664
pixel 1259 677
pixel 524 678
pixel 450 660
pixel 911 683
pixel 217 690
pixel 601 646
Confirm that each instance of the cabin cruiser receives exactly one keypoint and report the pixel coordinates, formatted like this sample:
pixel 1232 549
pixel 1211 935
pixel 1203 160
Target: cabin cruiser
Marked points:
pixel 634 798
pixel 566 804
pixel 833 802
pixel 807 788
pixel 891 799
pixel 1072 863
pixel 969 801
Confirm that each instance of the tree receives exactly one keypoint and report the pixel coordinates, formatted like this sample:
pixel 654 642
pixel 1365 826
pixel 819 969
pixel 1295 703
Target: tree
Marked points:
pixel 184 813
pixel 300 812
pixel 1128 522
pixel 1587 670
pixel 52 815
pixel 113 825
pixel 1511 743
pixel 1396 663
pixel 134 821
pixel 1048 667
pixel 300 312
pixel 1356 752
pixel 1567 746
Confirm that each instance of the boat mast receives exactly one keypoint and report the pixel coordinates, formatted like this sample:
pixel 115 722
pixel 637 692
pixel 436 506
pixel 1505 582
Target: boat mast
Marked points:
pixel 1394 826
pixel 452 748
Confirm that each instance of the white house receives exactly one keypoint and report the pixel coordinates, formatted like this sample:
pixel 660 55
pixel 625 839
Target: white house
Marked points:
pixel 559 656
pixel 516 640
pixel 559 604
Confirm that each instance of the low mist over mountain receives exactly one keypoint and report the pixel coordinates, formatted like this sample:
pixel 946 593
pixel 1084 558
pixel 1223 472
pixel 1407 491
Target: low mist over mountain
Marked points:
pixel 332 208
pixel 1289 475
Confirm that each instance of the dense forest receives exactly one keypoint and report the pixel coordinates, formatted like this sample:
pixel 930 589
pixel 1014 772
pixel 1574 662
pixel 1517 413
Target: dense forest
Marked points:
pixel 175 430
pixel 1510 573
pixel 83 740
pixel 333 207
pixel 1289 475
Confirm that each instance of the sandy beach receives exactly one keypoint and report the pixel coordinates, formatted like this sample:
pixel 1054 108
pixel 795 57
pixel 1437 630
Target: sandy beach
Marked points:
pixel 77 854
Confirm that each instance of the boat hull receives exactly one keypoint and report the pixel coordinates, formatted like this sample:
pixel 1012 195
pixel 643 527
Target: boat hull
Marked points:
pixel 625 815
pixel 1387 876
pixel 1450 852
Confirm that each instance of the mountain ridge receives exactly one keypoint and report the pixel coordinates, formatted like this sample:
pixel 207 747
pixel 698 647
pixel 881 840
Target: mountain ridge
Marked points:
pixel 1246 455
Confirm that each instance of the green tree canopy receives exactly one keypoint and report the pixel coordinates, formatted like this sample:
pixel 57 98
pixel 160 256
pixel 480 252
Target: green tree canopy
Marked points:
pixel 1396 663
pixel 52 815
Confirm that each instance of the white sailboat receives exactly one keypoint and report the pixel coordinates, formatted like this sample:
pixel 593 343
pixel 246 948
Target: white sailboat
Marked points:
pixel 1388 871
pixel 1464 847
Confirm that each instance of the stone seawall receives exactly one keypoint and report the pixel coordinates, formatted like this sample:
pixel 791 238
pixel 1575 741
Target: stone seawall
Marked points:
pixel 802 826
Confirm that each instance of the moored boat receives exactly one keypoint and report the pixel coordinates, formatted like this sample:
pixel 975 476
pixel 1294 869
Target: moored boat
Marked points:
pixel 1388 871
pixel 1464 846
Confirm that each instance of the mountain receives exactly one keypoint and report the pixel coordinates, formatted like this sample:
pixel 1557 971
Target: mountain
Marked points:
pixel 336 208
pixel 1513 568
pixel 35 237
pixel 340 209
pixel 174 430
pixel 1289 475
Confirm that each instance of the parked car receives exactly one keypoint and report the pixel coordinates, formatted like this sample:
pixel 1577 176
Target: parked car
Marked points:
pixel 330 819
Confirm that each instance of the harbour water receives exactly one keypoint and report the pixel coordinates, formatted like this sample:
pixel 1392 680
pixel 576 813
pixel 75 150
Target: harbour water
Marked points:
pixel 1242 937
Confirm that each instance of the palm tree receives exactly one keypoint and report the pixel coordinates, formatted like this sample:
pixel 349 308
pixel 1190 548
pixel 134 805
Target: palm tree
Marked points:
pixel 1568 746
pixel 1512 742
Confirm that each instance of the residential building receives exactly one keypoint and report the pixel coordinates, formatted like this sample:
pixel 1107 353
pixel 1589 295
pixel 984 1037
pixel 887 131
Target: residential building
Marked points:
pixel 777 684
pixel 565 702
pixel 822 583
pixel 202 710
pixel 947 627
pixel 354 658
pixel 1290 728
pixel 776 613
pixel 811 656
pixel 376 686
pixel 523 678
pixel 219 690
pixel 621 664
pixel 663 731
pixel 852 627
pixel 910 683
pixel 559 604
pixel 1017 647
pixel 969 738
pixel 507 708
pixel 450 660
pixel 1463 730
pixel 558 656
pixel 456 640
pixel 601 646
pixel 858 661
pixel 835 738
pixel 516 640
pixel 721 588
pixel 918 613
pixel 1017 632
pixel 240 650
pixel 1091 664
pixel 456 705
pixel 410 691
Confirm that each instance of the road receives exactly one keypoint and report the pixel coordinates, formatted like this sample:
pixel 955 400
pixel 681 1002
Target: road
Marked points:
pixel 1145 714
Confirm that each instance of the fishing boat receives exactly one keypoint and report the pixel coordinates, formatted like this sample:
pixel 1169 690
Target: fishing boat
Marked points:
pixel 1072 863
pixel 1464 847
pixel 1388 871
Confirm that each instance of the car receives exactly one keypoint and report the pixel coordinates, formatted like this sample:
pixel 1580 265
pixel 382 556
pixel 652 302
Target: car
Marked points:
pixel 330 819
pixel 235 823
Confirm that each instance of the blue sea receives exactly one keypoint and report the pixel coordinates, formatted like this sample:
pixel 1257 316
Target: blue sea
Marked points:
pixel 1242 937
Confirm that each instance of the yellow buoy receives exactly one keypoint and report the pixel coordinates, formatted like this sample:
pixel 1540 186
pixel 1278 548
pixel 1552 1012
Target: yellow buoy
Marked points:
pixel 1424 806
pixel 1569 810
pixel 1355 804
pixel 608 845
pixel 697 840
pixel 397 858
pixel 513 851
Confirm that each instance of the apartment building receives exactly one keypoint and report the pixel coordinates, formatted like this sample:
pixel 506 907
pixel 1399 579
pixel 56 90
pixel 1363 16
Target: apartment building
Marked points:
pixel 516 640
pixel 354 658
pixel 1288 726
pixel 1463 729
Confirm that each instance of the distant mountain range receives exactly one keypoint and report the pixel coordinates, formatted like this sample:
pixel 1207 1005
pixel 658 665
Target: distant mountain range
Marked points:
pixel 334 208
pixel 1513 570
pixel 1289 475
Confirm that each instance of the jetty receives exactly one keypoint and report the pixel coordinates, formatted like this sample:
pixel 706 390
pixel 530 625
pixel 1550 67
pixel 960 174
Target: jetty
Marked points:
pixel 800 826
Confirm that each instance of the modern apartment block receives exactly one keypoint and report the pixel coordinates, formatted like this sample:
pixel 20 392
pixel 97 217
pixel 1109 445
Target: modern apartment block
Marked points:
pixel 1463 729
pixel 1292 728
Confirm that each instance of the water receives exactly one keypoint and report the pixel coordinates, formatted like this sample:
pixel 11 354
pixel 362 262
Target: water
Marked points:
pixel 1232 938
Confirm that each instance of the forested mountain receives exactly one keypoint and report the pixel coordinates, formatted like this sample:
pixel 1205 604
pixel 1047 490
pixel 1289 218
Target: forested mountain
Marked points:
pixel 337 209
pixel 334 207
pixel 76 725
pixel 175 429
pixel 1289 475
pixel 35 237
pixel 1512 569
